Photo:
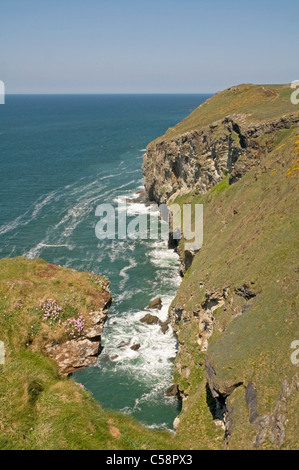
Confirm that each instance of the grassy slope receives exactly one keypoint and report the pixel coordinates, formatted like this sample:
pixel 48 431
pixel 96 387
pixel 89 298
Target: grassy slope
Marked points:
pixel 250 236
pixel 257 102
pixel 38 408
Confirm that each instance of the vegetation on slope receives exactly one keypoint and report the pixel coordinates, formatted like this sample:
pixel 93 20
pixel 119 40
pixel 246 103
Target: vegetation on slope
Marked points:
pixel 249 264
pixel 256 102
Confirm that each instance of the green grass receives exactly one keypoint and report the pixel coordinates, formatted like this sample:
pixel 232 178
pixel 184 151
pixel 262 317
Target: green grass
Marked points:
pixel 255 102
pixel 218 188
pixel 40 410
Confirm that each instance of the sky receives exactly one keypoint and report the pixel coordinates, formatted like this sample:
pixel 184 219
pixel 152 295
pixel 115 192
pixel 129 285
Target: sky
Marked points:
pixel 153 46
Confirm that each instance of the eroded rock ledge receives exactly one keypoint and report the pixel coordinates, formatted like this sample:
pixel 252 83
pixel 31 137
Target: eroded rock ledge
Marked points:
pixel 199 159
pixel 83 352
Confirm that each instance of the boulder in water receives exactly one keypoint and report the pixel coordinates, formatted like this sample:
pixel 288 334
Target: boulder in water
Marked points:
pixel 156 304
pixel 150 319
pixel 123 344
pixel 112 358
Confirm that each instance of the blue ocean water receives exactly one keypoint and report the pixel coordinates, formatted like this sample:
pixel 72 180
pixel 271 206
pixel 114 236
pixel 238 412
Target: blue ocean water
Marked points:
pixel 60 157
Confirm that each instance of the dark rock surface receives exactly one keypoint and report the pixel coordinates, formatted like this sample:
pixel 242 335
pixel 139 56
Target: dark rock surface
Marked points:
pixel 172 391
pixel 150 319
pixel 155 304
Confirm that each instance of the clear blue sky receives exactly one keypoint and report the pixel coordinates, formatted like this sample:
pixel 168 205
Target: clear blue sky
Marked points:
pixel 153 46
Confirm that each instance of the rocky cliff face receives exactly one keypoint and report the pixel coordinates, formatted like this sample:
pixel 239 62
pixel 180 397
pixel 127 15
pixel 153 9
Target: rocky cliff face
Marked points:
pixel 197 160
pixel 234 314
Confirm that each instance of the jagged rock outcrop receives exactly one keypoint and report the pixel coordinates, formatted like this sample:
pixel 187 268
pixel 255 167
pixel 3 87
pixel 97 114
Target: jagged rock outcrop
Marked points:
pixel 268 426
pixel 82 352
pixel 198 160
pixel 204 314
pixel 149 319
pixel 155 304
pixel 172 391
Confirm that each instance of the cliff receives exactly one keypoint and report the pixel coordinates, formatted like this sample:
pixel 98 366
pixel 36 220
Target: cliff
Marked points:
pixel 236 311
pixel 227 134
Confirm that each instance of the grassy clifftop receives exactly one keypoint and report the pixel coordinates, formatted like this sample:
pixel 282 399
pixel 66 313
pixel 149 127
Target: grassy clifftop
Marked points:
pixel 256 102
pixel 228 134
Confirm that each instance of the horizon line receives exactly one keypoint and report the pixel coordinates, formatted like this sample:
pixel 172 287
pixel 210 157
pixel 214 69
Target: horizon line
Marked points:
pixel 144 92
pixel 112 93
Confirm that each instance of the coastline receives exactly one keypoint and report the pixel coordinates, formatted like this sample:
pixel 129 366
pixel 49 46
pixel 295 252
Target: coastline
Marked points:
pixel 233 314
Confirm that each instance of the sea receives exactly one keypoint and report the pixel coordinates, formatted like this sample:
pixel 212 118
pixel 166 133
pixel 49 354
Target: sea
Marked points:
pixel 61 156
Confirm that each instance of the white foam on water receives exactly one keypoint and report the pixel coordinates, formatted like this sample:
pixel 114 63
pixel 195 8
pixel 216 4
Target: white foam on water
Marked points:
pixel 76 213
pixel 133 171
pixel 35 251
pixel 161 426
pixel 154 395
pixel 39 206
pixel 84 190
pixel 123 273
pixel 52 246
pixel 71 214
pixel 24 219
pixel 126 202
pixel 153 361
pixel 164 258
pixel 126 184
pixel 126 295
pixel 112 175
pixel 13 224
pixel 117 249
pixel 137 208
